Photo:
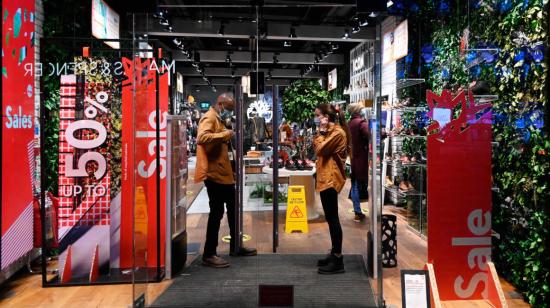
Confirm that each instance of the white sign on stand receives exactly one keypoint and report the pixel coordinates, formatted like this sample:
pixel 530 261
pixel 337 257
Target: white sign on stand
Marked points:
pixel 415 289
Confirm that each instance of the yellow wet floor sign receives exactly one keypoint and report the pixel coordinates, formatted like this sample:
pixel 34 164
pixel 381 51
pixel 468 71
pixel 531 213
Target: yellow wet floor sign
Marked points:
pixel 296 212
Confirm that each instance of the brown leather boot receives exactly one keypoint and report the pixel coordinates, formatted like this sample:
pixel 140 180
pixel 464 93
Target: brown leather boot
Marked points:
pixel 215 261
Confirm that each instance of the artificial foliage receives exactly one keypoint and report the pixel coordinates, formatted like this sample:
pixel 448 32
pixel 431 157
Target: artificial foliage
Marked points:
pixel 301 98
pixel 517 74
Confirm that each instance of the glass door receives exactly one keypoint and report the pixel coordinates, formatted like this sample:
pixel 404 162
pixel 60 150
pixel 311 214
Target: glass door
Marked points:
pixel 145 97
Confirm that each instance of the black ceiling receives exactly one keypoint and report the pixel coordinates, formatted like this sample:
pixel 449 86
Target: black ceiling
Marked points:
pixel 292 13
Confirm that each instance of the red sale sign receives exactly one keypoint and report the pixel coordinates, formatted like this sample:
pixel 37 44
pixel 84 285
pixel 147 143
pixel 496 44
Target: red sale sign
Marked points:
pixel 459 195
pixel 140 206
pixel 17 130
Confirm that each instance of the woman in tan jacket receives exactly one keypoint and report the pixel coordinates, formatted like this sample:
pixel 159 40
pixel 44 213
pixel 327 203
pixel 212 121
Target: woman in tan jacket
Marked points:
pixel 332 148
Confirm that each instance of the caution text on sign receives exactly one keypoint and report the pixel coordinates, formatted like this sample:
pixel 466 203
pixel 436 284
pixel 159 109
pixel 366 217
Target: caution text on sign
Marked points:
pixel 296 212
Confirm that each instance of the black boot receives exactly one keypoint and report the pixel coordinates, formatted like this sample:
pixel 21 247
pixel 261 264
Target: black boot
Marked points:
pixel 325 261
pixel 334 266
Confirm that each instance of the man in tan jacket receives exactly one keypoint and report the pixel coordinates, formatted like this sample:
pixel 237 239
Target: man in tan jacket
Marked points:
pixel 214 168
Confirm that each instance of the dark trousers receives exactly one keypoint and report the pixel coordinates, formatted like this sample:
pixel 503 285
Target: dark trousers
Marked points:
pixel 218 194
pixel 329 200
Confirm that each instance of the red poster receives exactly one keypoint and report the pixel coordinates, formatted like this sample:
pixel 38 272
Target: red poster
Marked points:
pixel 17 129
pixel 139 164
pixel 459 195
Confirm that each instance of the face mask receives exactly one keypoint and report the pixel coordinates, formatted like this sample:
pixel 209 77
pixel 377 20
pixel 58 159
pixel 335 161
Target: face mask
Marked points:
pixel 316 120
pixel 224 114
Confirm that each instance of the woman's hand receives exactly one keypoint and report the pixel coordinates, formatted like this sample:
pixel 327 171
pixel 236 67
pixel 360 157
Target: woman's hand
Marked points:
pixel 323 124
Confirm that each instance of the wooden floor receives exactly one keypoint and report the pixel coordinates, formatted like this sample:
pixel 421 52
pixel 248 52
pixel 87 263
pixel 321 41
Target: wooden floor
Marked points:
pixel 26 290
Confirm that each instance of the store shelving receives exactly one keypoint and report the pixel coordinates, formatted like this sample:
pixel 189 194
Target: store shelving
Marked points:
pixel 408 82
pixel 361 86
pixel 484 99
pixel 408 136
pixel 403 193
pixel 413 202
pixel 400 164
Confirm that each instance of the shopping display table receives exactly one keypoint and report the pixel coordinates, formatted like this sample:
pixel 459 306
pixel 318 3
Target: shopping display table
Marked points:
pixel 304 178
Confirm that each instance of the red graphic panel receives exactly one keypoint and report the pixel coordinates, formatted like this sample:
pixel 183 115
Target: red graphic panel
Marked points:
pixel 84 177
pixel 139 163
pixel 459 195
pixel 17 129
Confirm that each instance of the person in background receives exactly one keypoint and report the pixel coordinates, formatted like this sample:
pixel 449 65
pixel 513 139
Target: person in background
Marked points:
pixel 214 168
pixel 331 146
pixel 359 130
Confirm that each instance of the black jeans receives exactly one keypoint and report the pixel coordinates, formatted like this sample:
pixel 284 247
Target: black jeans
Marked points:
pixel 218 194
pixel 329 200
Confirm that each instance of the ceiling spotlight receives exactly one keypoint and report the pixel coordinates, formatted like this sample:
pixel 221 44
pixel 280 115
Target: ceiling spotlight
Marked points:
pixel 145 35
pixel 355 29
pixel 159 14
pixel 199 21
pixel 221 30
pixel 287 44
pixel 345 36
pixel 232 73
pixel 372 15
pixel 227 58
pixel 292 33
pixel 269 75
pixel 164 22
pixel 334 47
pixel 316 60
pixel 363 22
pixel 177 41
pixel 169 29
pixel 228 42
pixel 390 3
pixel 275 59
pixel 214 89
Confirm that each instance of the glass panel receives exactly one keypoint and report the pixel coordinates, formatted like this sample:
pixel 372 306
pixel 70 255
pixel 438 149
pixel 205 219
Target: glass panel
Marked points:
pixel 146 88
pixel 82 107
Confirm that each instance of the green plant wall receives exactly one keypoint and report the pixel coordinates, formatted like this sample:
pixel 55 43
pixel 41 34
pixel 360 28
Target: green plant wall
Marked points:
pixel 301 98
pixel 517 74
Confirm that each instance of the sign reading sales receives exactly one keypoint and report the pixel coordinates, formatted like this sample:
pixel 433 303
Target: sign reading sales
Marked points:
pixel 16 213
pixel 459 195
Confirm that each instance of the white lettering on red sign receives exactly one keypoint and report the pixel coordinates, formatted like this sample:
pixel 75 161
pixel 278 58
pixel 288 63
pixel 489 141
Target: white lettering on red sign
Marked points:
pixel 151 147
pixel 479 224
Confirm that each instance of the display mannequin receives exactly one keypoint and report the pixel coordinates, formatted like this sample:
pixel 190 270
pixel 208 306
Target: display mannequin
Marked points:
pixel 256 128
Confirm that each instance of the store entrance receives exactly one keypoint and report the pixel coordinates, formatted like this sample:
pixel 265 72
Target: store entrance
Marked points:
pixel 277 63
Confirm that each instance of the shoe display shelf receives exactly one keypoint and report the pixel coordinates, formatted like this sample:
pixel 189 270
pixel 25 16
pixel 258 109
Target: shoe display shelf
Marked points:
pixel 413 173
pixel 361 87
pixel 408 82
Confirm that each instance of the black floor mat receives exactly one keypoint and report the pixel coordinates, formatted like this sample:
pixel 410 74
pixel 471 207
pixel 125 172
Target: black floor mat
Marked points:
pixel 237 286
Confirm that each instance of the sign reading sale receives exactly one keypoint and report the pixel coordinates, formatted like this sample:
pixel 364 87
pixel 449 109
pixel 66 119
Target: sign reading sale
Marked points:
pixel 459 195
pixel 146 154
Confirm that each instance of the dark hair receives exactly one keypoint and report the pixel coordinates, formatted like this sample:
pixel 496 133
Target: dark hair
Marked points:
pixel 336 117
